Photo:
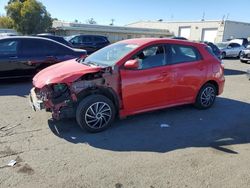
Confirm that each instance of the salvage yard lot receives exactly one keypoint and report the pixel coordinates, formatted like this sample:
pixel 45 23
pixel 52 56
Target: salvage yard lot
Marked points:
pixel 208 148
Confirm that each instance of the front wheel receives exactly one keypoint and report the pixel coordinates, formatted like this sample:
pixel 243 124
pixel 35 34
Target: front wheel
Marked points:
pixel 206 96
pixel 243 61
pixel 223 55
pixel 95 113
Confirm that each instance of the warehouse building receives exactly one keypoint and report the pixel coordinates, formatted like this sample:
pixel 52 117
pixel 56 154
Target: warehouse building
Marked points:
pixel 212 31
pixel 114 33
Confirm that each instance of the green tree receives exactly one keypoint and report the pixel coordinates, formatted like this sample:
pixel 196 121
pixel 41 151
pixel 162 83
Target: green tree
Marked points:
pixel 6 22
pixel 29 16
pixel 91 21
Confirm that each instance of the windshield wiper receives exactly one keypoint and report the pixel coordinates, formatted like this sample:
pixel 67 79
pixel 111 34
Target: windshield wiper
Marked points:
pixel 90 63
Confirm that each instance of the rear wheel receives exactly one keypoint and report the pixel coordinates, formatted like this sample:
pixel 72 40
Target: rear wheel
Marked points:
pixel 206 96
pixel 95 113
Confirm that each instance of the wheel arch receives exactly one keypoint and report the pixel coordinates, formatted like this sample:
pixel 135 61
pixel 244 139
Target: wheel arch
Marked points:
pixel 213 82
pixel 107 92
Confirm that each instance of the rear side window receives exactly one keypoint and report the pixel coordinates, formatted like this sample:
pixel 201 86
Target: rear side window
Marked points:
pixel 234 45
pixel 183 54
pixel 99 39
pixel 8 47
pixel 53 48
pixel 86 39
pixel 32 47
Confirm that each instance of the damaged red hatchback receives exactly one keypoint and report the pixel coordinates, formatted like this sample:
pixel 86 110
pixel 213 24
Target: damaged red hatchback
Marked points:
pixel 129 77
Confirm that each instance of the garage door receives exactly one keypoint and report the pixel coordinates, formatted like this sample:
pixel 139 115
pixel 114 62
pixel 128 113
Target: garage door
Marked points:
pixel 209 34
pixel 185 32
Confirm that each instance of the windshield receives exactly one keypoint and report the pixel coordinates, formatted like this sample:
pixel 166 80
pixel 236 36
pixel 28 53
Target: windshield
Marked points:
pixel 109 55
pixel 68 38
pixel 222 45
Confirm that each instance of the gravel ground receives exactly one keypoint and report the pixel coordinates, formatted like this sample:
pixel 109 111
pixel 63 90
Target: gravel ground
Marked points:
pixel 208 148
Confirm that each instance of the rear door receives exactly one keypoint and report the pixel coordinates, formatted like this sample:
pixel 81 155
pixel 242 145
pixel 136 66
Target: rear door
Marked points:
pixel 9 58
pixel 55 52
pixel 189 70
pixel 32 55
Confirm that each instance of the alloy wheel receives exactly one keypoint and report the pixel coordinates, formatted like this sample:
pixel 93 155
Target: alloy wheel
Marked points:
pixel 207 96
pixel 98 115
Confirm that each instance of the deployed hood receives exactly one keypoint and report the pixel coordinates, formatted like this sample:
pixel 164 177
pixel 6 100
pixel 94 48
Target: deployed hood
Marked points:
pixel 64 72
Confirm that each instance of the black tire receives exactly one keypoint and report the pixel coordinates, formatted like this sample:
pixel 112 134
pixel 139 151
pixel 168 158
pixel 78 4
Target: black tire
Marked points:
pixel 203 102
pixel 95 113
pixel 239 55
pixel 223 55
pixel 243 61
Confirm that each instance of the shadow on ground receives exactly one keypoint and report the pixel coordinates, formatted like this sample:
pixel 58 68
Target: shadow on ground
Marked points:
pixel 231 72
pixel 18 87
pixel 225 124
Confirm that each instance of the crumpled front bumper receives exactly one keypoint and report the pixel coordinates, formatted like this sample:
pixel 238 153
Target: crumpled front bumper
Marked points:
pixel 59 110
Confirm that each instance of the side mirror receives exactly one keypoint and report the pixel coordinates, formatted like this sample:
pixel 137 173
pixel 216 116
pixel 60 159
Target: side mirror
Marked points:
pixel 132 64
pixel 229 47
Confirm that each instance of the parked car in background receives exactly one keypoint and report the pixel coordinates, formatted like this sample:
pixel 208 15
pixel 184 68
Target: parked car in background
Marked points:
pixel 25 56
pixel 56 38
pixel 245 55
pixel 129 77
pixel 230 49
pixel 91 43
pixel 215 49
pixel 241 41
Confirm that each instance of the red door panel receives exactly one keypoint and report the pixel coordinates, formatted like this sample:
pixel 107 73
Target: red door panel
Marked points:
pixel 189 77
pixel 144 89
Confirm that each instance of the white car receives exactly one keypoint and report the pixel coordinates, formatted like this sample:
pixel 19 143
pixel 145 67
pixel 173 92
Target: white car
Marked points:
pixel 245 55
pixel 230 49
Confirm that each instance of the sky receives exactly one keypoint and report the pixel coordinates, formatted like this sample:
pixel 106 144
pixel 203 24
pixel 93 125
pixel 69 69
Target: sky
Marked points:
pixel 129 11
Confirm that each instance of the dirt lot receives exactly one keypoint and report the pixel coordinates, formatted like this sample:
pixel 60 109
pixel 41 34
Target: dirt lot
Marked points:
pixel 200 148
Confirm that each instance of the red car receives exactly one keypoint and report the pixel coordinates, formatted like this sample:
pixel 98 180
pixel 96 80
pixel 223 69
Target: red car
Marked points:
pixel 129 77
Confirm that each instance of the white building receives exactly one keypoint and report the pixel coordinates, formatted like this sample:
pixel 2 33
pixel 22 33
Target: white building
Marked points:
pixel 12 31
pixel 114 33
pixel 212 31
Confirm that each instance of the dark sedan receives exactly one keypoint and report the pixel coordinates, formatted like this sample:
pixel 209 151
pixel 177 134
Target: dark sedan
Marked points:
pixel 91 43
pixel 25 56
pixel 215 49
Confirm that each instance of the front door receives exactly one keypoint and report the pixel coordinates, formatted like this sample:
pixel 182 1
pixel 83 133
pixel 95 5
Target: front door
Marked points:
pixel 149 86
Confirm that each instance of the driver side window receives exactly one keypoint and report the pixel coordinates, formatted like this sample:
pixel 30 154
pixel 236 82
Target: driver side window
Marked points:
pixel 151 57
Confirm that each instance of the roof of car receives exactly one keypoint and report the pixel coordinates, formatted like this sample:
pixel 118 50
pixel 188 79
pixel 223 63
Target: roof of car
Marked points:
pixel 34 37
pixel 143 41
pixel 89 35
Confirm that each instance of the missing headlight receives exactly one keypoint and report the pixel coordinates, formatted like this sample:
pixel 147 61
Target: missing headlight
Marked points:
pixel 60 93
